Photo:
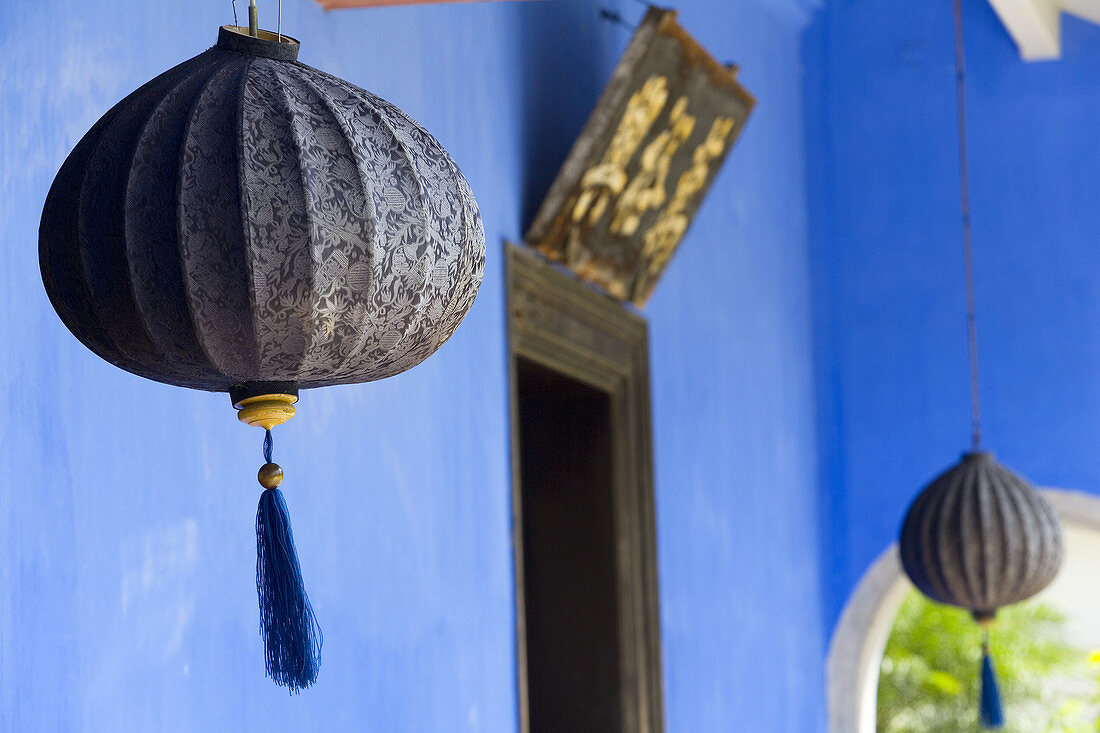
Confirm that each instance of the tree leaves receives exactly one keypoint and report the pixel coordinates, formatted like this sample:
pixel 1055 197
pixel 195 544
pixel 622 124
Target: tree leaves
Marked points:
pixel 929 681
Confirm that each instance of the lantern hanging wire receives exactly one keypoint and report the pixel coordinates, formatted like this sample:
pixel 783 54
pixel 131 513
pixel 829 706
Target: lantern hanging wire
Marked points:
pixel 968 245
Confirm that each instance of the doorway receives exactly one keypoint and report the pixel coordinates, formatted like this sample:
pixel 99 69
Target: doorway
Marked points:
pixel 570 578
pixel 587 627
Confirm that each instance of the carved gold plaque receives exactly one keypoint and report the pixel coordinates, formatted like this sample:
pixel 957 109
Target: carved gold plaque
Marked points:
pixel 639 170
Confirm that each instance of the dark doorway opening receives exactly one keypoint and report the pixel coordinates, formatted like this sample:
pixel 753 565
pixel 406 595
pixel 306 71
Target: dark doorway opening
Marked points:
pixel 587 620
pixel 570 577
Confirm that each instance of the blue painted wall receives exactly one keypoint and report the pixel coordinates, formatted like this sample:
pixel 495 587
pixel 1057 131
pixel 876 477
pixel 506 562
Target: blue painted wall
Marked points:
pixel 887 267
pixel 126 507
pixel 733 413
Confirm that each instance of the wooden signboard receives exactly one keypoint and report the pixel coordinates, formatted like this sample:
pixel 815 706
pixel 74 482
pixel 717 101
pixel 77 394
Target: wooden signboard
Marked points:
pixel 637 174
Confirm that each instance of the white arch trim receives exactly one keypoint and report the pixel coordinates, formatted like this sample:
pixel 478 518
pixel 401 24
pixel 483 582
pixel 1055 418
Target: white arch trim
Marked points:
pixel 855 652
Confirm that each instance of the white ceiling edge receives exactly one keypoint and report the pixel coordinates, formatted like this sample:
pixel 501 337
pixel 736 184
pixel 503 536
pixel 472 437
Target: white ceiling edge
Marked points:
pixel 1087 9
pixel 1035 25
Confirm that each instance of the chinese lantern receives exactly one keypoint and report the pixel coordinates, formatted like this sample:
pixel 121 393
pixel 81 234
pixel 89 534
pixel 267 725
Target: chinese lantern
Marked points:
pixel 980 537
pixel 245 223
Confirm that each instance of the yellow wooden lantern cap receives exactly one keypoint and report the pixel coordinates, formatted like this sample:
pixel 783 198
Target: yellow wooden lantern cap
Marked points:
pixel 266 411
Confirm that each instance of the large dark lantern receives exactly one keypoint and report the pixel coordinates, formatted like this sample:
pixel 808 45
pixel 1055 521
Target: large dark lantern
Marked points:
pixel 248 224
pixel 245 219
pixel 980 537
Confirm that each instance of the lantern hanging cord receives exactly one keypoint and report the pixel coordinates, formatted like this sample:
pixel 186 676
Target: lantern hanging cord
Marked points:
pixel 616 18
pixel 968 249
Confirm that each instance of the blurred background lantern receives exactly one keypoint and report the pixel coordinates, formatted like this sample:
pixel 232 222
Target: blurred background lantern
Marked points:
pixel 248 224
pixel 979 536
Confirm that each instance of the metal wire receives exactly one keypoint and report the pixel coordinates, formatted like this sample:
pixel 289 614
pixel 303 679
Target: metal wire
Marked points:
pixel 968 247
pixel 280 22
pixel 235 23
pixel 612 16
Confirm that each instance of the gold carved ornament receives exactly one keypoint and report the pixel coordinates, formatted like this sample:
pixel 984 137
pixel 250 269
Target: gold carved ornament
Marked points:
pixel 666 232
pixel 608 178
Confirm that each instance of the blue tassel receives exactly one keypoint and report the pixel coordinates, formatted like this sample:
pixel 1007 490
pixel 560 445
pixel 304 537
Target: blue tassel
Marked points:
pixel 992 716
pixel 292 638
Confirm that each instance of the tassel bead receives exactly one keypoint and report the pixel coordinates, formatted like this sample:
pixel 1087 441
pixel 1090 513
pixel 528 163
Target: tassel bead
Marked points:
pixel 270 475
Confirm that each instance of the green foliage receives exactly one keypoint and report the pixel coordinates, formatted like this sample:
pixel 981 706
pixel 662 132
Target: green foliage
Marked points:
pixel 929 680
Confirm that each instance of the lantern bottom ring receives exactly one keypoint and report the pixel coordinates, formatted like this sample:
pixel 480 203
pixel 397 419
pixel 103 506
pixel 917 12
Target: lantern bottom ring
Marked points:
pixel 266 411
pixel 985 619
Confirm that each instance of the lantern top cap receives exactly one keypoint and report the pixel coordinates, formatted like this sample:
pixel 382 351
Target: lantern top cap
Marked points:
pixel 266 45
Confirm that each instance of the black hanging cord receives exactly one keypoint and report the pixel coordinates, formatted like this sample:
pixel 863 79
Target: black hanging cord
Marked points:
pixel 613 16
pixel 968 248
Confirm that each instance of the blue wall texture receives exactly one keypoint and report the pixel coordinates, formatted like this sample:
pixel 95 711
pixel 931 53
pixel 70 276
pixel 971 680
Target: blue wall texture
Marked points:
pixel 887 267
pixel 733 415
pixel 126 507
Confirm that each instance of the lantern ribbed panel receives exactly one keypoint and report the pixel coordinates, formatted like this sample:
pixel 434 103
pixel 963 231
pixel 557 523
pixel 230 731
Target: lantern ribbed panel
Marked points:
pixel 980 537
pixel 246 218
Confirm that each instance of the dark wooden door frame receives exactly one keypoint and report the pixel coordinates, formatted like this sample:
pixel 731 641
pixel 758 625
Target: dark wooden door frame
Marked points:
pixel 566 326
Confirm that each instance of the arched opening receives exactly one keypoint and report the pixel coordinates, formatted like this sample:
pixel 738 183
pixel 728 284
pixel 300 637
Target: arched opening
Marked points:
pixel 858 642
